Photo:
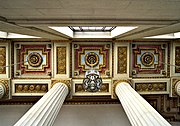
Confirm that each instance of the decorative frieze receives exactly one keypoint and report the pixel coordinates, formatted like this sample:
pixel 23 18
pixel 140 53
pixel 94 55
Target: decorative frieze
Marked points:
pixel 155 86
pixel 61 60
pixel 79 90
pixel 30 87
pixel 5 59
pixel 177 59
pixel 2 60
pixel 152 87
pixel 122 60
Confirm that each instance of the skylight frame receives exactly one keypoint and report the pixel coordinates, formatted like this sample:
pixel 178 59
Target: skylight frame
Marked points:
pixel 92 28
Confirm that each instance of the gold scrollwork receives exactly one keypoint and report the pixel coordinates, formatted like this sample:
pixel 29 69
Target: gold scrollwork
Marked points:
pixel 61 60
pixel 31 88
pixel 177 59
pixel 3 60
pixel 153 87
pixel 122 60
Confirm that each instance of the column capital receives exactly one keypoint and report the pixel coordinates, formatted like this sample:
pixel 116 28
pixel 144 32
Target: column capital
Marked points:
pixel 66 82
pixel 177 88
pixel 2 90
pixel 117 82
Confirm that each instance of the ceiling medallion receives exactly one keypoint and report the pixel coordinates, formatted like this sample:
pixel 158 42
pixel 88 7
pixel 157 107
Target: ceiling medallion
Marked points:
pixel 92 81
pixel 92 59
pixel 35 59
pixel 147 59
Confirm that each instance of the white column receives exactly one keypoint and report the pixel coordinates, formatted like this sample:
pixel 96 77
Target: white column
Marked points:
pixel 44 112
pixel 138 110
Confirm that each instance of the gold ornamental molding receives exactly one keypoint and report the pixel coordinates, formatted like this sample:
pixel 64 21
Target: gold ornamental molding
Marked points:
pixel 61 60
pixel 122 60
pixel 151 87
pixel 3 60
pixel 31 88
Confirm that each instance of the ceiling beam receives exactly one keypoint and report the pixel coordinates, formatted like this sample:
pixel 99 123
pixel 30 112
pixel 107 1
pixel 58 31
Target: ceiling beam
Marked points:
pixel 91 22
pixel 152 32
pixel 13 28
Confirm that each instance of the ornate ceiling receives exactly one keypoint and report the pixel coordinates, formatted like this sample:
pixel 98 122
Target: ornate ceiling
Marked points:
pixel 30 67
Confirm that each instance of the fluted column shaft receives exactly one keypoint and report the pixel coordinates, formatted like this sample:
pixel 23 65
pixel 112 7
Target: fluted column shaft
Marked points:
pixel 44 112
pixel 138 110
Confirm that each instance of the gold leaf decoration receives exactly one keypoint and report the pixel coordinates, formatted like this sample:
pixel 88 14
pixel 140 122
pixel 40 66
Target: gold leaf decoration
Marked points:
pixel 61 60
pixel 122 60
pixel 2 60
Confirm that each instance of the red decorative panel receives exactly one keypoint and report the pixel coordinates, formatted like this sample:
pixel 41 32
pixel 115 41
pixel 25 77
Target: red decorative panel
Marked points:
pixel 149 59
pixel 88 57
pixel 33 60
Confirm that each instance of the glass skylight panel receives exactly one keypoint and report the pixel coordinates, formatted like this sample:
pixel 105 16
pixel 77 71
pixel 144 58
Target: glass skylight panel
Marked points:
pixel 76 28
pixel 85 28
pixel 91 28
pixel 99 28
pixel 107 28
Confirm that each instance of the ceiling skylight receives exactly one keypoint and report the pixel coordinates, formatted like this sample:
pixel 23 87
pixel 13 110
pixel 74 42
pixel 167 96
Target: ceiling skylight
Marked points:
pixel 166 36
pixel 91 29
